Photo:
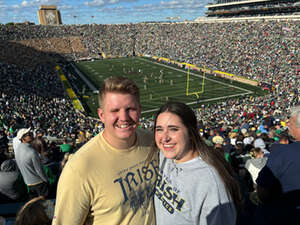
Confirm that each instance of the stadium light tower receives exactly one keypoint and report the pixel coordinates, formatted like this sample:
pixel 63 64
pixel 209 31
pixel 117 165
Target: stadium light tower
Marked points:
pixel 92 17
pixel 74 19
pixel 133 37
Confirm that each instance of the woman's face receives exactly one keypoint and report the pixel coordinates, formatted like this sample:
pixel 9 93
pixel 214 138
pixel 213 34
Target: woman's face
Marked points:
pixel 171 137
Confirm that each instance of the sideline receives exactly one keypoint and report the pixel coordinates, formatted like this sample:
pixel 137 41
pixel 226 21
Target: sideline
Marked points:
pixel 86 81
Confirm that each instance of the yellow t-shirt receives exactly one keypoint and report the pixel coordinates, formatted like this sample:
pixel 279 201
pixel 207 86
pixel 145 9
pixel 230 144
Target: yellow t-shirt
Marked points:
pixel 102 185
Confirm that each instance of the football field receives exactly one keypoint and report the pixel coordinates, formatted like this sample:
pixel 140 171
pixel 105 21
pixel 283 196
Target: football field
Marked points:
pixel 159 83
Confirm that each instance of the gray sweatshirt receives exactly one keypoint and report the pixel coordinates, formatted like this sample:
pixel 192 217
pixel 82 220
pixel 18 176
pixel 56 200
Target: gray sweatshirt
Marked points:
pixel 191 193
pixel 30 165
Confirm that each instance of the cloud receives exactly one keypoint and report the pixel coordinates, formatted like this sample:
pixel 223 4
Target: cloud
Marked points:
pixel 66 7
pixel 119 10
pixel 35 3
pixel 120 1
pixel 2 5
pixel 113 1
pixel 95 3
pixel 100 3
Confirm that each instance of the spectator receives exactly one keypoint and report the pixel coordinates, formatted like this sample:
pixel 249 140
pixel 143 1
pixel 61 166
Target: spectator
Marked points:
pixel 228 150
pixel 284 139
pixel 40 145
pixel 39 133
pixel 100 184
pixel 65 146
pixel 278 184
pixel 3 140
pixel 256 163
pixel 37 211
pixel 30 165
pixel 3 157
pixel 189 168
pixel 259 143
pixel 50 167
pixel 12 187
pixel 218 146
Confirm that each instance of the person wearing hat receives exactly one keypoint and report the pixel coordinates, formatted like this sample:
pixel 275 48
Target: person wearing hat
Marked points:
pixel 218 141
pixel 219 146
pixel 30 165
pixel 278 182
pixel 260 143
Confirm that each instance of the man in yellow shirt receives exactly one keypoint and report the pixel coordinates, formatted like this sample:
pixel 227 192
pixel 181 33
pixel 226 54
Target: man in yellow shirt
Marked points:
pixel 110 180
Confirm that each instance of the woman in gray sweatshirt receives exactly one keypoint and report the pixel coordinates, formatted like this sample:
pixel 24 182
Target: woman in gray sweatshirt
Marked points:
pixel 195 185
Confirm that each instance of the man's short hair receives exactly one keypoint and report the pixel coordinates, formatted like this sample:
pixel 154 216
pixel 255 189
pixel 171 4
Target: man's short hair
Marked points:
pixel 118 84
pixel 295 111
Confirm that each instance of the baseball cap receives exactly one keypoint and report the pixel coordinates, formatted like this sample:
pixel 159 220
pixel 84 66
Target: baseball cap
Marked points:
pixel 22 132
pixel 218 140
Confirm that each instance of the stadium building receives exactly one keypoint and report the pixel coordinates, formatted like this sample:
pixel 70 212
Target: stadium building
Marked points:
pixel 250 8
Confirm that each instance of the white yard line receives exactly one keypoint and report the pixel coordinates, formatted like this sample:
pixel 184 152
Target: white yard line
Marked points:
pixel 86 81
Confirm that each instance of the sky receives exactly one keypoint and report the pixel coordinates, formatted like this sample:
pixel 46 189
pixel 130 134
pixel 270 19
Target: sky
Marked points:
pixel 105 11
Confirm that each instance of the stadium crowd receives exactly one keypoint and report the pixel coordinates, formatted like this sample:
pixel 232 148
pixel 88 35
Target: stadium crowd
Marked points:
pixel 266 51
pixel 36 98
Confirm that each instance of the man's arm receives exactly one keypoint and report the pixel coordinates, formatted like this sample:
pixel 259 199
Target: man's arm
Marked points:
pixel 72 199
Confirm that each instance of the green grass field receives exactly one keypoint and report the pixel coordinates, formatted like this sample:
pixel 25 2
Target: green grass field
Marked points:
pixel 159 83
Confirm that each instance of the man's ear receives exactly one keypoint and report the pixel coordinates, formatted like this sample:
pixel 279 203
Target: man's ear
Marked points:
pixel 100 114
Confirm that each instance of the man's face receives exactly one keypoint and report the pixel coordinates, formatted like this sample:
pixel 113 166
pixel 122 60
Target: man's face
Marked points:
pixel 293 130
pixel 120 114
pixel 27 137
